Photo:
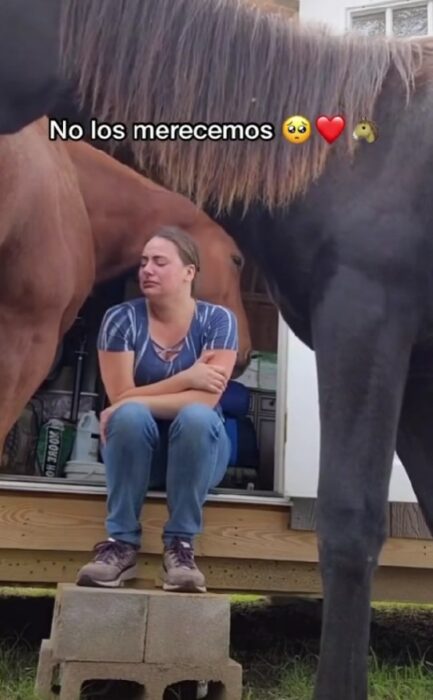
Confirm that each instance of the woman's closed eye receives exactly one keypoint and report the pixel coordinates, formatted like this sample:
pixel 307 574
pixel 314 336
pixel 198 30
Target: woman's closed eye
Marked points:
pixel 238 261
pixel 159 262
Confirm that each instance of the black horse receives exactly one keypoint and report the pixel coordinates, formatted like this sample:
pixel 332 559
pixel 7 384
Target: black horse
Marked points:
pixel 29 61
pixel 342 233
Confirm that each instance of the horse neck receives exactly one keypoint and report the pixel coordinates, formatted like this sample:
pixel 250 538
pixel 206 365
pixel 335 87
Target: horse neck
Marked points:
pixel 125 209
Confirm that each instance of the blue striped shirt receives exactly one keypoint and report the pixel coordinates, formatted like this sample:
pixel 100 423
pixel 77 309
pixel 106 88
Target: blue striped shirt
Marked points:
pixel 125 328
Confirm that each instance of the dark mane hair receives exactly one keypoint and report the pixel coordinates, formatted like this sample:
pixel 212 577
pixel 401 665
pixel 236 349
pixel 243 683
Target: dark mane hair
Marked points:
pixel 226 61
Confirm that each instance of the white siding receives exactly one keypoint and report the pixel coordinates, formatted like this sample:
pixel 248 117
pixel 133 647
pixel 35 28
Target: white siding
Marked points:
pixel 301 455
pixel 332 12
pixel 336 13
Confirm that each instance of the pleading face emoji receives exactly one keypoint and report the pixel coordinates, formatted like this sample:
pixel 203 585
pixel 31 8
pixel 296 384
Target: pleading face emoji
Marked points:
pixel 296 129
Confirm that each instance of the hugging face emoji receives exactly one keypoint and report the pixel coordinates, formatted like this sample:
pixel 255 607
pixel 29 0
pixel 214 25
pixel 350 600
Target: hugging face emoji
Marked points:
pixel 366 130
pixel 296 129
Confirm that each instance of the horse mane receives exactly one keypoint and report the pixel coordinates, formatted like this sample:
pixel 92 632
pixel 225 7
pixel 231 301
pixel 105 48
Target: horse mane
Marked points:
pixel 223 61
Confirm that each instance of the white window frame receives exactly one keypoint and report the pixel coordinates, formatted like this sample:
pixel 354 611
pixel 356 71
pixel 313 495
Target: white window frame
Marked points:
pixel 389 7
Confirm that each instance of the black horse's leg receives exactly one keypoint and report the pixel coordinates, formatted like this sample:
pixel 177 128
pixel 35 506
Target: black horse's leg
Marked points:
pixel 362 336
pixel 415 431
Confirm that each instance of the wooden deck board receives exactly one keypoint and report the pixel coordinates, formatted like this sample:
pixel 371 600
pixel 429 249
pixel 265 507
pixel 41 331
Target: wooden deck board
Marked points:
pixel 408 521
pixel 404 519
pixel 46 538
pixel 229 575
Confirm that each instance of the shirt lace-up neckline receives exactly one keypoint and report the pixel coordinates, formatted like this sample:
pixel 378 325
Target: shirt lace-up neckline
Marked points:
pixel 168 354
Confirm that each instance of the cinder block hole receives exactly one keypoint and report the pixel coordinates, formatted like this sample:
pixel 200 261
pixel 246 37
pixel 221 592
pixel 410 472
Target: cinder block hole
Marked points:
pixel 191 690
pixel 215 691
pixel 112 690
pixel 55 680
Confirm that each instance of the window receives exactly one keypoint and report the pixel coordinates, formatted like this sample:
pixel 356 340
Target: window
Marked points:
pixel 373 23
pixel 396 19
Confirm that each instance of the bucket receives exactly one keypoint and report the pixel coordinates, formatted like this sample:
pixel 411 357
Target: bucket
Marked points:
pixel 86 445
pixel 54 447
pixel 93 472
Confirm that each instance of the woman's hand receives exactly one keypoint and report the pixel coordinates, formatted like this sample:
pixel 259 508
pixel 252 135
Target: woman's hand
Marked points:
pixel 205 376
pixel 104 417
pixel 103 420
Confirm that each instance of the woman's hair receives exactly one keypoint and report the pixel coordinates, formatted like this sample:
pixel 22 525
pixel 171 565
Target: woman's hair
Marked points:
pixel 186 247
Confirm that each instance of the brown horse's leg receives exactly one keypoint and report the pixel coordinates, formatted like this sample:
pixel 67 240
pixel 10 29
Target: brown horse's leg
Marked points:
pixel 28 346
pixel 415 433
pixel 362 336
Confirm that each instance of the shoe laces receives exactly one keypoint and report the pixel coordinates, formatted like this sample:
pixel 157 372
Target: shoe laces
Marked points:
pixel 111 551
pixel 182 552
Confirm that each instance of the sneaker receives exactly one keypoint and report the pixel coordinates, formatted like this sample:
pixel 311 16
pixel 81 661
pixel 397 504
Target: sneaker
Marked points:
pixel 114 563
pixel 181 573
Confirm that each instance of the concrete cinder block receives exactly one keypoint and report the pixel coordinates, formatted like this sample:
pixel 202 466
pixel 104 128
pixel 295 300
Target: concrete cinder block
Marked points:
pixel 187 628
pixel 44 675
pixel 99 624
pixel 228 673
pixel 154 677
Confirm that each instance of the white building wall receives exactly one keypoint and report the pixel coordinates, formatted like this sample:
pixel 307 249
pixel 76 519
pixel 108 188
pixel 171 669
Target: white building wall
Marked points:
pixel 336 13
pixel 303 428
pixel 332 12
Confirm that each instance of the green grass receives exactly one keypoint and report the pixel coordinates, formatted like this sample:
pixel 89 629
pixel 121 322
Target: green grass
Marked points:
pixel 17 671
pixel 273 677
pixel 245 598
pixel 26 592
pixel 293 680
pixel 277 647
pixel 402 606
pixel 30 591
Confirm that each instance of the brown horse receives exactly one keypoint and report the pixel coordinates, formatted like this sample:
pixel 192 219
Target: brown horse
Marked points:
pixel 47 261
pixel 342 232
pixel 125 209
pixel 72 216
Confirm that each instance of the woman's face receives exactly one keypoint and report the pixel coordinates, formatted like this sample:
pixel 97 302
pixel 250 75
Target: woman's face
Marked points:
pixel 162 271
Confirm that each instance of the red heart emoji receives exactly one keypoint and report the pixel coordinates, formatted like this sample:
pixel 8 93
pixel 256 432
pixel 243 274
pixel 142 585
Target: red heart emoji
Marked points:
pixel 330 127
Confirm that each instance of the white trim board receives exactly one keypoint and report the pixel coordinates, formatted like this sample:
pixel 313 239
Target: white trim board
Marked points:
pixel 301 459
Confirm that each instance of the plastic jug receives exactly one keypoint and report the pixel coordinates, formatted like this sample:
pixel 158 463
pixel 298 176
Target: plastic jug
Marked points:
pixel 86 445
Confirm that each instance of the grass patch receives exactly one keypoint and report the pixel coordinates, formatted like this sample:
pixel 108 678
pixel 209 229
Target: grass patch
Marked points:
pixel 18 664
pixel 271 677
pixel 390 607
pixel 277 646
pixel 37 592
pixel 246 599
pixel 26 592
pixel 277 678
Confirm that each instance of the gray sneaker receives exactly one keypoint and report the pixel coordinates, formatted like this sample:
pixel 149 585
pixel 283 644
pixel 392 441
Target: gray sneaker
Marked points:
pixel 113 563
pixel 181 573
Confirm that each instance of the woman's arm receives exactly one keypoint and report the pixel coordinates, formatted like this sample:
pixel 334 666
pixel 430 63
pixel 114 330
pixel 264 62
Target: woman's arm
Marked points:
pixel 166 406
pixel 171 385
pixel 117 373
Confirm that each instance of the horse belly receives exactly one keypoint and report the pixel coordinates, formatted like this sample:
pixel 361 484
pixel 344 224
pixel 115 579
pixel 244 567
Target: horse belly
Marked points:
pixel 46 248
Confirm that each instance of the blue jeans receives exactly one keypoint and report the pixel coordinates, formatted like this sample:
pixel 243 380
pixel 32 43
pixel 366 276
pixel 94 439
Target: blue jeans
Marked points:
pixel 186 456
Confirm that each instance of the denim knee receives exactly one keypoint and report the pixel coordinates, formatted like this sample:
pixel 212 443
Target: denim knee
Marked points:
pixel 130 421
pixel 195 418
